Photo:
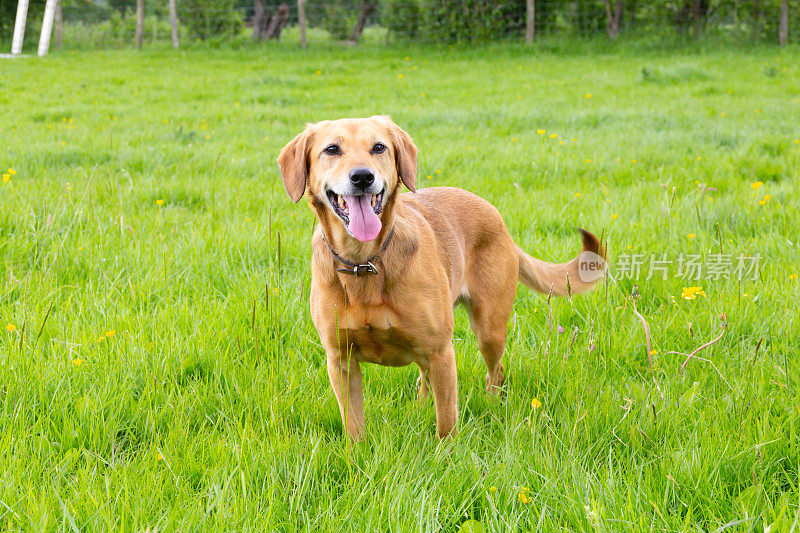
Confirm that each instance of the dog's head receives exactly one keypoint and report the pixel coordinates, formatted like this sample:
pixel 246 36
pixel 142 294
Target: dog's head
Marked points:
pixel 352 169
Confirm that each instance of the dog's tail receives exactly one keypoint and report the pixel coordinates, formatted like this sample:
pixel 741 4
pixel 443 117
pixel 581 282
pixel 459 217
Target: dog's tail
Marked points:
pixel 576 276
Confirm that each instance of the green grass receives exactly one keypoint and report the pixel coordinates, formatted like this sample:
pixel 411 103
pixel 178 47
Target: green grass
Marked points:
pixel 147 202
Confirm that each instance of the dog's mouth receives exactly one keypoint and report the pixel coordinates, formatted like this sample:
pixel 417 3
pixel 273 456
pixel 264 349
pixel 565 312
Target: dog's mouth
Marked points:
pixel 359 213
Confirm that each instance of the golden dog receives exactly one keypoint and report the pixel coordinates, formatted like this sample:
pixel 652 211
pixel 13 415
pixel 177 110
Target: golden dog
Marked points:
pixel 388 268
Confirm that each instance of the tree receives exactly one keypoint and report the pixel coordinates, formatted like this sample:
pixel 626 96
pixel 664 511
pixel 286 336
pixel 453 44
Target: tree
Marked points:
pixel 783 23
pixel 139 22
pixel 530 20
pixel 266 26
pixel 259 19
pixel 367 8
pixel 59 38
pixel 173 22
pixel 614 17
pixel 301 21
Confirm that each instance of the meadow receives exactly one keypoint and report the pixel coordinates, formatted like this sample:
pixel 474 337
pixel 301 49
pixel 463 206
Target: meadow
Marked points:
pixel 158 365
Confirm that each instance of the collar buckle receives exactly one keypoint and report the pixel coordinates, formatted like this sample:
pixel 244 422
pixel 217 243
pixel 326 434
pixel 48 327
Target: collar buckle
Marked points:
pixel 359 270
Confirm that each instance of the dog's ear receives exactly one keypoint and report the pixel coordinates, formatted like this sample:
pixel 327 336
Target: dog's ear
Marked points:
pixel 293 162
pixel 405 154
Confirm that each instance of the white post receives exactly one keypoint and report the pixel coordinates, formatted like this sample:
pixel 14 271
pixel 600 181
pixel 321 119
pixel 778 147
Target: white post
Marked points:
pixel 47 27
pixel 19 27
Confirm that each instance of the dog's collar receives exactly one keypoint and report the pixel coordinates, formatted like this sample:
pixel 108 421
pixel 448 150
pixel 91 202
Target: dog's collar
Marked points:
pixel 359 269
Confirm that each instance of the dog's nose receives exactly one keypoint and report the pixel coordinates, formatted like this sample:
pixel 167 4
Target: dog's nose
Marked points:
pixel 361 177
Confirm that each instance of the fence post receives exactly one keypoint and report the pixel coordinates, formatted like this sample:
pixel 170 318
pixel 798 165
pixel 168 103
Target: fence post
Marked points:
pixel 301 21
pixel 139 22
pixel 173 22
pixel 19 27
pixel 47 27
pixel 530 21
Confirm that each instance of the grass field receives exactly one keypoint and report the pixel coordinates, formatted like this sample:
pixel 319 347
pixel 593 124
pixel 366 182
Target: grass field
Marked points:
pixel 159 368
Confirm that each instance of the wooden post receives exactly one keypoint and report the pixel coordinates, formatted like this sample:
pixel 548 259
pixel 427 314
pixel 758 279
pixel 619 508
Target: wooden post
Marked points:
pixel 783 23
pixel 19 27
pixel 47 27
pixel 139 23
pixel 173 22
pixel 59 25
pixel 530 21
pixel 301 22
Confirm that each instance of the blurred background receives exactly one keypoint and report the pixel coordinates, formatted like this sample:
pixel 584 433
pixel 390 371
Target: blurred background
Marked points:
pixel 129 23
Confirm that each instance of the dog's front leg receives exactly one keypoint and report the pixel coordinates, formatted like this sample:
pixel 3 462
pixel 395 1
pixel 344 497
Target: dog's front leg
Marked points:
pixel 445 390
pixel 345 377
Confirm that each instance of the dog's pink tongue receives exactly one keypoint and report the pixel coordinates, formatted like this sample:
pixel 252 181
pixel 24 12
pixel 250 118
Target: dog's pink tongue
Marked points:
pixel 364 223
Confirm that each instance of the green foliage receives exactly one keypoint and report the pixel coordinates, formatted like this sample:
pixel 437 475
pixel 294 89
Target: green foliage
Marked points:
pixel 402 17
pixel 339 17
pixel 210 18
pixel 146 201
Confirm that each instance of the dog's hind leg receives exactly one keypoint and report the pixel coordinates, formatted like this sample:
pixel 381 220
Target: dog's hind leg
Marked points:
pixel 492 286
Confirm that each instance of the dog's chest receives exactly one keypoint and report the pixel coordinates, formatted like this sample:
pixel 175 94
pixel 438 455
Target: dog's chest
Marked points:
pixel 377 335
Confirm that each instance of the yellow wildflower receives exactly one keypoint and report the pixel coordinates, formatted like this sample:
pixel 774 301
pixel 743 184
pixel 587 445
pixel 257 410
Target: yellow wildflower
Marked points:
pixel 159 202
pixel 77 362
pixel 492 489
pixel 535 403
pixel 577 195
pixel 110 333
pixel 10 327
pixel 588 95
pixel 793 276
pixel 614 216
pixel 757 185
pixel 6 177
pixel 690 293
pixel 767 197
pixel 691 236
pixel 11 171
pixel 524 498
pixel 540 132
pixel 553 135
pixel 762 202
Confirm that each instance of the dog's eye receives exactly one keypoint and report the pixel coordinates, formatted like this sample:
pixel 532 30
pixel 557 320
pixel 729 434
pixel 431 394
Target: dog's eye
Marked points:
pixel 333 149
pixel 379 148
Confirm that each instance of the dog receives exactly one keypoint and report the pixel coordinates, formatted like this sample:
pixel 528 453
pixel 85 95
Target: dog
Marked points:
pixel 387 268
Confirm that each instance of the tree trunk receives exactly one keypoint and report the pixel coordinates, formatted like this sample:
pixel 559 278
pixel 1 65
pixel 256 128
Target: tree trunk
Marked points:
pixel 139 23
pixel 301 22
pixel 277 22
pixel 367 7
pixel 614 17
pixel 173 22
pixel 59 38
pixel 783 23
pixel 259 19
pixel 530 21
